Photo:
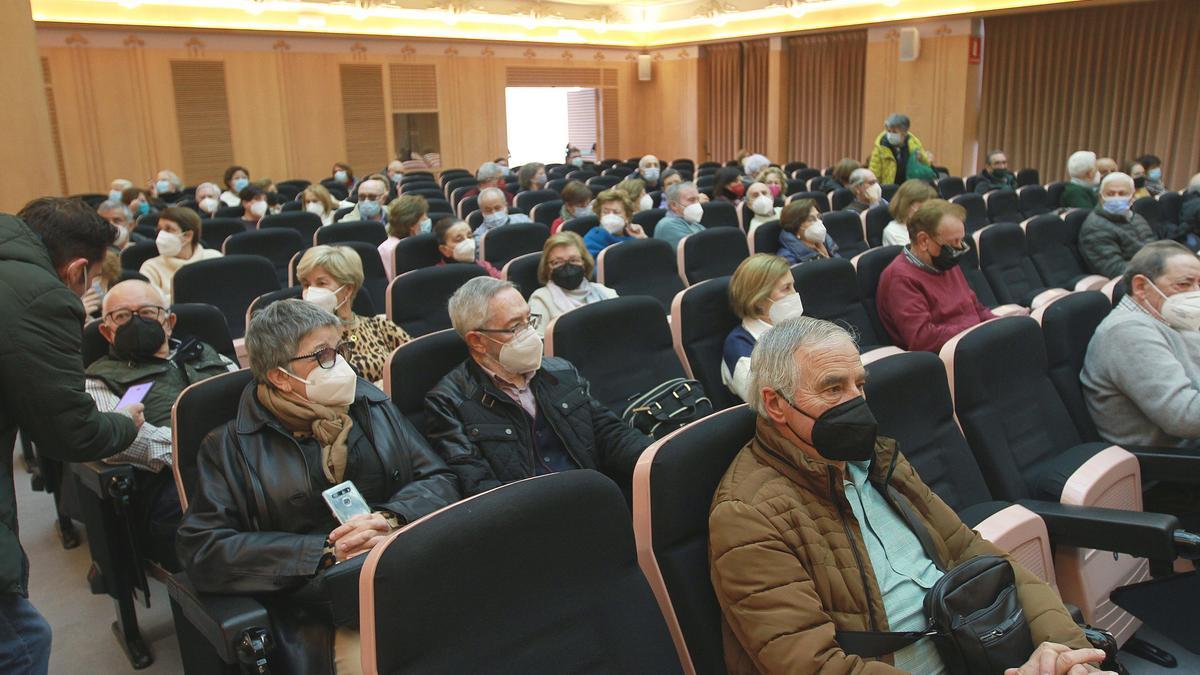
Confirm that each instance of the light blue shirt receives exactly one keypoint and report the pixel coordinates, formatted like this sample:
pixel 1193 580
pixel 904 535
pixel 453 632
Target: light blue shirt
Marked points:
pixel 902 569
pixel 672 228
pixel 484 227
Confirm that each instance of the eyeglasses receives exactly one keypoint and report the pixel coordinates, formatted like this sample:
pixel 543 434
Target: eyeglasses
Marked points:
pixel 325 357
pixel 559 262
pixel 531 323
pixel 149 312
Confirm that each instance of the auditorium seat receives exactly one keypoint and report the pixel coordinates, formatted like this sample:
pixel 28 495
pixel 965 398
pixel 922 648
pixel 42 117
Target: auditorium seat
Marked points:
pixel 133 256
pixel 1170 205
pixel 868 268
pixel 417 300
pixel 1003 206
pixel 456 187
pixel 846 228
pixel 977 217
pixel 1008 268
pixel 531 198
pixel 522 271
pixel 233 211
pixel 875 219
pixel 501 244
pixel 806 174
pixel 829 289
pixel 969 264
pixel 970 182
pixel 765 238
pixel 820 198
pixel 303 222
pixel 648 219
pixel 375 280
pixel 341 213
pixel 426 190
pixel 229 283
pixel 277 245
pixel 840 199
pixel 889 190
pixel 580 225
pixel 1068 324
pixel 617 363
pixel 641 267
pixel 1033 200
pixel 214 231
pixel 673 486
pixel 709 254
pixel 1055 254
pixel 358 230
pixel 451 174
pixel 701 319
pixel 546 212
pixel 719 214
pixel 602 182
pixel 950 187
pixel 363 305
pixel 1028 177
pixel 415 252
pixel 583 607
pixel 1054 193
pixel 417 366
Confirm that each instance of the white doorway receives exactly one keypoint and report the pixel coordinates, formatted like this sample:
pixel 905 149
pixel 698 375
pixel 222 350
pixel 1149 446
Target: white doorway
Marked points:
pixel 543 120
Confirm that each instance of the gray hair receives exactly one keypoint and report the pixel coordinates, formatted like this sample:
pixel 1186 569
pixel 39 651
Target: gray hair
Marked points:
pixel 858 176
pixel 1117 177
pixel 1194 183
pixel 488 171
pixel 773 363
pixel 275 332
pixel 212 186
pixel 495 191
pixel 755 163
pixel 897 120
pixel 992 154
pixel 172 178
pixel 1081 163
pixel 108 205
pixel 469 305
pixel 674 190
pixel 1151 261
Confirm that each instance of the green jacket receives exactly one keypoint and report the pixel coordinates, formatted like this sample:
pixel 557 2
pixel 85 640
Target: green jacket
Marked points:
pixel 41 380
pixel 1076 196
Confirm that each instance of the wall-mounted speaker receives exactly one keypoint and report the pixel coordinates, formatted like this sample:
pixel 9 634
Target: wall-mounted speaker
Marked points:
pixel 643 61
pixel 910 44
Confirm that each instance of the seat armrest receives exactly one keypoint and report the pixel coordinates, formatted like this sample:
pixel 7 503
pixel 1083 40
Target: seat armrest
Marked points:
pixel 227 622
pixel 1136 533
pixel 336 590
pixel 1170 465
pixel 100 477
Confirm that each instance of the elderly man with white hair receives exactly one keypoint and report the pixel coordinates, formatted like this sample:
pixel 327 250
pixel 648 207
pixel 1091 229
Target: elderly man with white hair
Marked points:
pixel 507 412
pixel 752 165
pixel 821 527
pixel 118 186
pixel 1112 233
pixel 166 183
pixel 208 199
pixel 115 213
pixel 867 191
pixel 493 206
pixel 1080 193
pixel 649 170
pixel 489 175
pixel 372 202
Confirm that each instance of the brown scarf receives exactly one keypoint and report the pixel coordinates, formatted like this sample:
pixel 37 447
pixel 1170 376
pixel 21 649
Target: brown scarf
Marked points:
pixel 329 426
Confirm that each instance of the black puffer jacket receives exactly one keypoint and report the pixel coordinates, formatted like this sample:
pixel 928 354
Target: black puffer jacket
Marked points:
pixel 486 438
pixel 257 522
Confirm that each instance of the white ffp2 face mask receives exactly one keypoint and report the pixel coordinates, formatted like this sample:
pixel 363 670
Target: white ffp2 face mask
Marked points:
pixel 324 298
pixel 169 244
pixel 258 209
pixel 874 193
pixel 315 207
pixel 464 251
pixel 612 223
pixel 815 234
pixel 1182 310
pixel 693 213
pixel 331 387
pixel 209 204
pixel 787 307
pixel 763 205
pixel 645 203
pixel 522 354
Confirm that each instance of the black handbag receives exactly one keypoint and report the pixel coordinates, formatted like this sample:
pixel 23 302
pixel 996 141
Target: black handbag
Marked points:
pixel 975 617
pixel 667 407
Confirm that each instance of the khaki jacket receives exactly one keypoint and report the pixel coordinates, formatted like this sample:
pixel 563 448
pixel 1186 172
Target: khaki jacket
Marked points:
pixel 789 567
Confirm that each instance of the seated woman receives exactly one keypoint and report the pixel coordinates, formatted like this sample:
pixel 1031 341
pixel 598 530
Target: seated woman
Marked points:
pixel 762 204
pixel 762 294
pixel 457 246
pixel 407 215
pixel 308 423
pixel 615 211
pixel 178 244
pixel 776 182
pixel 1137 172
pixel 635 189
pixel 254 206
pixel 331 276
pixel 728 185
pixel 316 199
pixel 904 204
pixel 575 198
pixel 532 176
pixel 237 178
pixel 343 173
pixel 564 271
pixel 803 237
pixel 666 180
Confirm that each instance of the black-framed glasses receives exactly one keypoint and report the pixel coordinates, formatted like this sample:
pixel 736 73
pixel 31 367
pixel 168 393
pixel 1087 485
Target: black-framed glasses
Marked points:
pixel 325 357
pixel 148 312
pixel 531 323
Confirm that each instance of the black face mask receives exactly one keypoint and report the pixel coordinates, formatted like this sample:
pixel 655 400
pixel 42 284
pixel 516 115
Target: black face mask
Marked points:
pixel 844 433
pixel 1139 182
pixel 567 276
pixel 139 339
pixel 947 257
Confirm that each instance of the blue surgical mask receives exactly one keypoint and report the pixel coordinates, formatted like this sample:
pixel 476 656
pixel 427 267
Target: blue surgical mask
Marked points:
pixel 577 162
pixel 1116 205
pixel 496 219
pixel 582 211
pixel 650 174
pixel 240 184
pixel 162 186
pixel 1154 175
pixel 143 208
pixel 426 225
pixel 369 209
pixel 114 195
pixel 340 176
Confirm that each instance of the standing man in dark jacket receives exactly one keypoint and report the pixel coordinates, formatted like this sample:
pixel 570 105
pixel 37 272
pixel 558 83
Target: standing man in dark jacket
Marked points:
pixel 507 413
pixel 47 263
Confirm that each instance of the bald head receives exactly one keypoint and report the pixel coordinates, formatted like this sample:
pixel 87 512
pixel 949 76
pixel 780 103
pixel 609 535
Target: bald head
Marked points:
pixel 135 296
pixel 1106 165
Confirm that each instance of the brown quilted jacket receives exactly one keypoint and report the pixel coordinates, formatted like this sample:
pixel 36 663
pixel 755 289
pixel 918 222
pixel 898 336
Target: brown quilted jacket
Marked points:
pixel 789 567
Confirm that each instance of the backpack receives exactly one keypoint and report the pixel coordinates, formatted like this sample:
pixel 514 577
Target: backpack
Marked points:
pixel 667 407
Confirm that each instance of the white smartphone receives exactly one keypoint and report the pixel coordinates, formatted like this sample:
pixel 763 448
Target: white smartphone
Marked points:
pixel 345 501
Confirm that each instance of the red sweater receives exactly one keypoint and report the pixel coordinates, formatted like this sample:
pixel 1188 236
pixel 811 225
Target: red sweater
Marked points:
pixel 922 310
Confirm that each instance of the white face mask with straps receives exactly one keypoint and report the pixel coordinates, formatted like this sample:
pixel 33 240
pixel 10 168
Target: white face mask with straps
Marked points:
pixel 1182 310
pixel 331 387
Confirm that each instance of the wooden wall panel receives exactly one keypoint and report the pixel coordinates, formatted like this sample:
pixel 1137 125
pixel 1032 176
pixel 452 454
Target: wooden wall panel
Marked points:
pixel 28 148
pixel 665 112
pixel 203 112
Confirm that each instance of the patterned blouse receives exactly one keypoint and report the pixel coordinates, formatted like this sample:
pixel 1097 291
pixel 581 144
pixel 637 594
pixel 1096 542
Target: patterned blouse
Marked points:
pixel 369 341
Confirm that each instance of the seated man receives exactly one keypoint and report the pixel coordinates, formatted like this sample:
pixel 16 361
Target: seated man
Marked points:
pixel 137 325
pixel 995 174
pixel 489 175
pixel 805 534
pixel 257 523
pixel 684 212
pixel 507 413
pixel 923 297
pixel 648 170
pixel 1105 166
pixel 866 189
pixel 1112 233
pixel 372 200
pixel 493 206
pixel 118 215
pixel 1080 193
pixel 1141 376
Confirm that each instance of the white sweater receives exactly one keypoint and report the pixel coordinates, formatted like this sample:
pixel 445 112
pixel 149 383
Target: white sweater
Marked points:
pixel 160 271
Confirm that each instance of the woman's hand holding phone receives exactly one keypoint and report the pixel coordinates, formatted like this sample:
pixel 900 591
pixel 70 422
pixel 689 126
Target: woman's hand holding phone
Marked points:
pixel 358 535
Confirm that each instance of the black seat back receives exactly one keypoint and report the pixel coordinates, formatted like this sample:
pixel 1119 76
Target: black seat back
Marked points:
pixel 417 366
pixel 702 319
pixel 1068 325
pixel 531 198
pixel 1028 177
pixel 1170 204
pixel 301 221
pixel 840 199
pixel 277 245
pixel 355 230
pixel 877 218
pixel 214 231
pixel 766 237
pixel 375 281
pixel 621 346
pixel 648 219
pixel 1003 206
pixel 641 267
pixel 552 566
pixel 868 269
pixel 415 252
pixel 1048 241
pixel 977 217
pixel 950 187
pixel 581 225
pixel 1004 262
pixel 1033 201
pixel 829 289
pixel 719 214
pixel 201 409
pixel 711 253
pixel 133 257
pixel 229 283
pixel 846 228
pixel 969 264
pixel 509 241
pixel 207 324
pixel 416 300
pixel 523 272
pixel 546 212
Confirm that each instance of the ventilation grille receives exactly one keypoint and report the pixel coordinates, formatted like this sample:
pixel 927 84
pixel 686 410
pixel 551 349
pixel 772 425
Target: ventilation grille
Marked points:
pixel 54 132
pixel 364 117
pixel 202 112
pixel 414 87
pixel 553 77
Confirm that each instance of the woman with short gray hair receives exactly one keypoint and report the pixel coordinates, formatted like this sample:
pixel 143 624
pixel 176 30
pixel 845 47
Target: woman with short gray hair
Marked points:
pixel 258 524
pixel 898 155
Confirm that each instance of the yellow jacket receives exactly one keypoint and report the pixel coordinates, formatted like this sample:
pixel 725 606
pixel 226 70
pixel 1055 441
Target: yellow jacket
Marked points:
pixel 883 162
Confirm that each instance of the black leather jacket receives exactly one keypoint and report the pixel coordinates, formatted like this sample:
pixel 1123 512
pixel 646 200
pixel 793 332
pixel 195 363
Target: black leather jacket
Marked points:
pixel 487 441
pixel 257 522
